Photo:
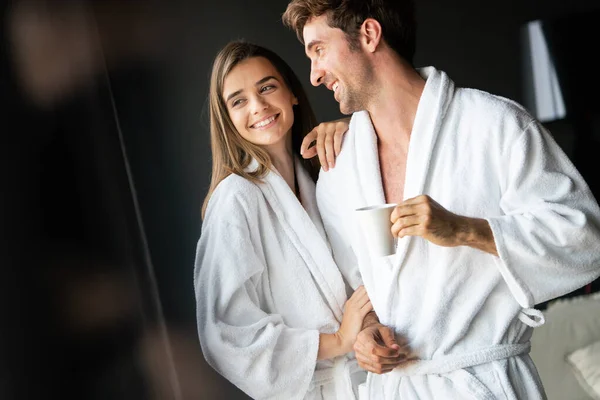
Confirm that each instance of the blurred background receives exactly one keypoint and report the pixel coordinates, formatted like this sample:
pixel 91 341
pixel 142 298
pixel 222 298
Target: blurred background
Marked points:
pixel 105 161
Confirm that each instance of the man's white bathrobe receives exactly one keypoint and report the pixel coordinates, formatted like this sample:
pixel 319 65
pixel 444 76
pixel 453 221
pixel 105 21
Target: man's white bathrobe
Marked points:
pixel 465 313
pixel 266 284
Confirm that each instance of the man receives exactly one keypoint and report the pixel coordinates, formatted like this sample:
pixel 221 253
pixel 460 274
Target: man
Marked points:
pixel 492 217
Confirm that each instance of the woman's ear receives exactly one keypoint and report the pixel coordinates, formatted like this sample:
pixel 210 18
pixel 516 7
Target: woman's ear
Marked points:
pixel 295 101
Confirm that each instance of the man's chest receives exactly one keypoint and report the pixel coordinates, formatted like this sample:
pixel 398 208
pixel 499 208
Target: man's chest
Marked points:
pixel 393 173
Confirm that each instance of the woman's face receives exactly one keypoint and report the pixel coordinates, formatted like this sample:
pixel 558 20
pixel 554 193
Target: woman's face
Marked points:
pixel 259 103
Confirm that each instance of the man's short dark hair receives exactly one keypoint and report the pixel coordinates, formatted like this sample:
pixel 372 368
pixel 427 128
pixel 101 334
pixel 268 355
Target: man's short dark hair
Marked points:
pixel 396 17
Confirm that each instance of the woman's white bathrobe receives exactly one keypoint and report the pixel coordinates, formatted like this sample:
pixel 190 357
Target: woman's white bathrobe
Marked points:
pixel 465 312
pixel 266 284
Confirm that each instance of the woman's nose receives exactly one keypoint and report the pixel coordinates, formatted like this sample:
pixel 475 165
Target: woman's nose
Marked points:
pixel 259 104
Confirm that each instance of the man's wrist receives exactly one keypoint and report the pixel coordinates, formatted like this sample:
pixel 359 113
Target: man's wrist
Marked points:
pixel 476 233
pixel 370 319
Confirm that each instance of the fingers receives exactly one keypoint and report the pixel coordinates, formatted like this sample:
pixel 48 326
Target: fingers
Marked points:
pixel 321 150
pixel 415 230
pixel 368 346
pixel 423 198
pixel 403 210
pixel 366 308
pixel 377 364
pixel 311 152
pixel 305 148
pixel 359 298
pixel 334 141
pixel 376 368
pixel 375 359
pixel 340 130
pixel 401 227
pixel 388 337
pixel 359 292
pixel 416 205
pixel 328 137
pixel 329 151
pixel 377 350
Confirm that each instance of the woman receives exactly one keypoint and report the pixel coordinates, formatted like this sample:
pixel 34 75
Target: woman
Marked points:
pixel 271 303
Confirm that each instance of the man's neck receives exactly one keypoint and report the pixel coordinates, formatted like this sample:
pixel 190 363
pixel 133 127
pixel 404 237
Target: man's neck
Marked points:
pixel 393 110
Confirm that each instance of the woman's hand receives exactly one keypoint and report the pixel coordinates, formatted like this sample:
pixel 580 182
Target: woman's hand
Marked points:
pixel 355 310
pixel 336 344
pixel 328 137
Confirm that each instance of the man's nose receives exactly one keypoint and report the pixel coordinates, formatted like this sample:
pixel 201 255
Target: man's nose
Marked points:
pixel 316 74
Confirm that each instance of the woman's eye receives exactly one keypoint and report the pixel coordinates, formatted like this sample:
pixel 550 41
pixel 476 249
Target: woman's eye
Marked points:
pixel 267 88
pixel 237 102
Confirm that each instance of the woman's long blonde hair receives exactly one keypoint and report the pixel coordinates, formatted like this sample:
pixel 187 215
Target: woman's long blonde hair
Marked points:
pixel 231 153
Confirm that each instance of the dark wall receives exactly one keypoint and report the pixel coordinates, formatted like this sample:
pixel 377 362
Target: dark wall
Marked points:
pixel 477 43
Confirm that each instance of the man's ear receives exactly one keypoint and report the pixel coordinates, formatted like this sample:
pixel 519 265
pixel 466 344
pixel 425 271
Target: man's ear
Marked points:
pixel 370 33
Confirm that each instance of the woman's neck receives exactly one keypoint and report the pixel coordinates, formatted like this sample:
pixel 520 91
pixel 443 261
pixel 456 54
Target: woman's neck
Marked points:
pixel 283 160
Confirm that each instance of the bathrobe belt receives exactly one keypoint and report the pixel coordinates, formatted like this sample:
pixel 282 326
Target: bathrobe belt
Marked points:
pixel 453 366
pixel 450 363
pixel 453 362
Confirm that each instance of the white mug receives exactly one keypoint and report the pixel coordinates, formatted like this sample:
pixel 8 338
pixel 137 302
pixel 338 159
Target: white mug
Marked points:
pixel 377 229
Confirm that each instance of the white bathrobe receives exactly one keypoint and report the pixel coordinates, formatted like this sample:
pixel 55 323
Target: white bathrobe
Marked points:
pixel 465 313
pixel 266 284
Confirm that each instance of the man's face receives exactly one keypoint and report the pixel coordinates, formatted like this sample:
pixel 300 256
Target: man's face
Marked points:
pixel 334 64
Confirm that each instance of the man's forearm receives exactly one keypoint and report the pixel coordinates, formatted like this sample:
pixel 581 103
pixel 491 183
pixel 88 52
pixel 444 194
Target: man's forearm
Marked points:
pixel 476 233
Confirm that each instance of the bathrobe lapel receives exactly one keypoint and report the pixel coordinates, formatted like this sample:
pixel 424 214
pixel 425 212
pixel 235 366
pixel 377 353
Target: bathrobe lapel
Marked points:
pixel 302 224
